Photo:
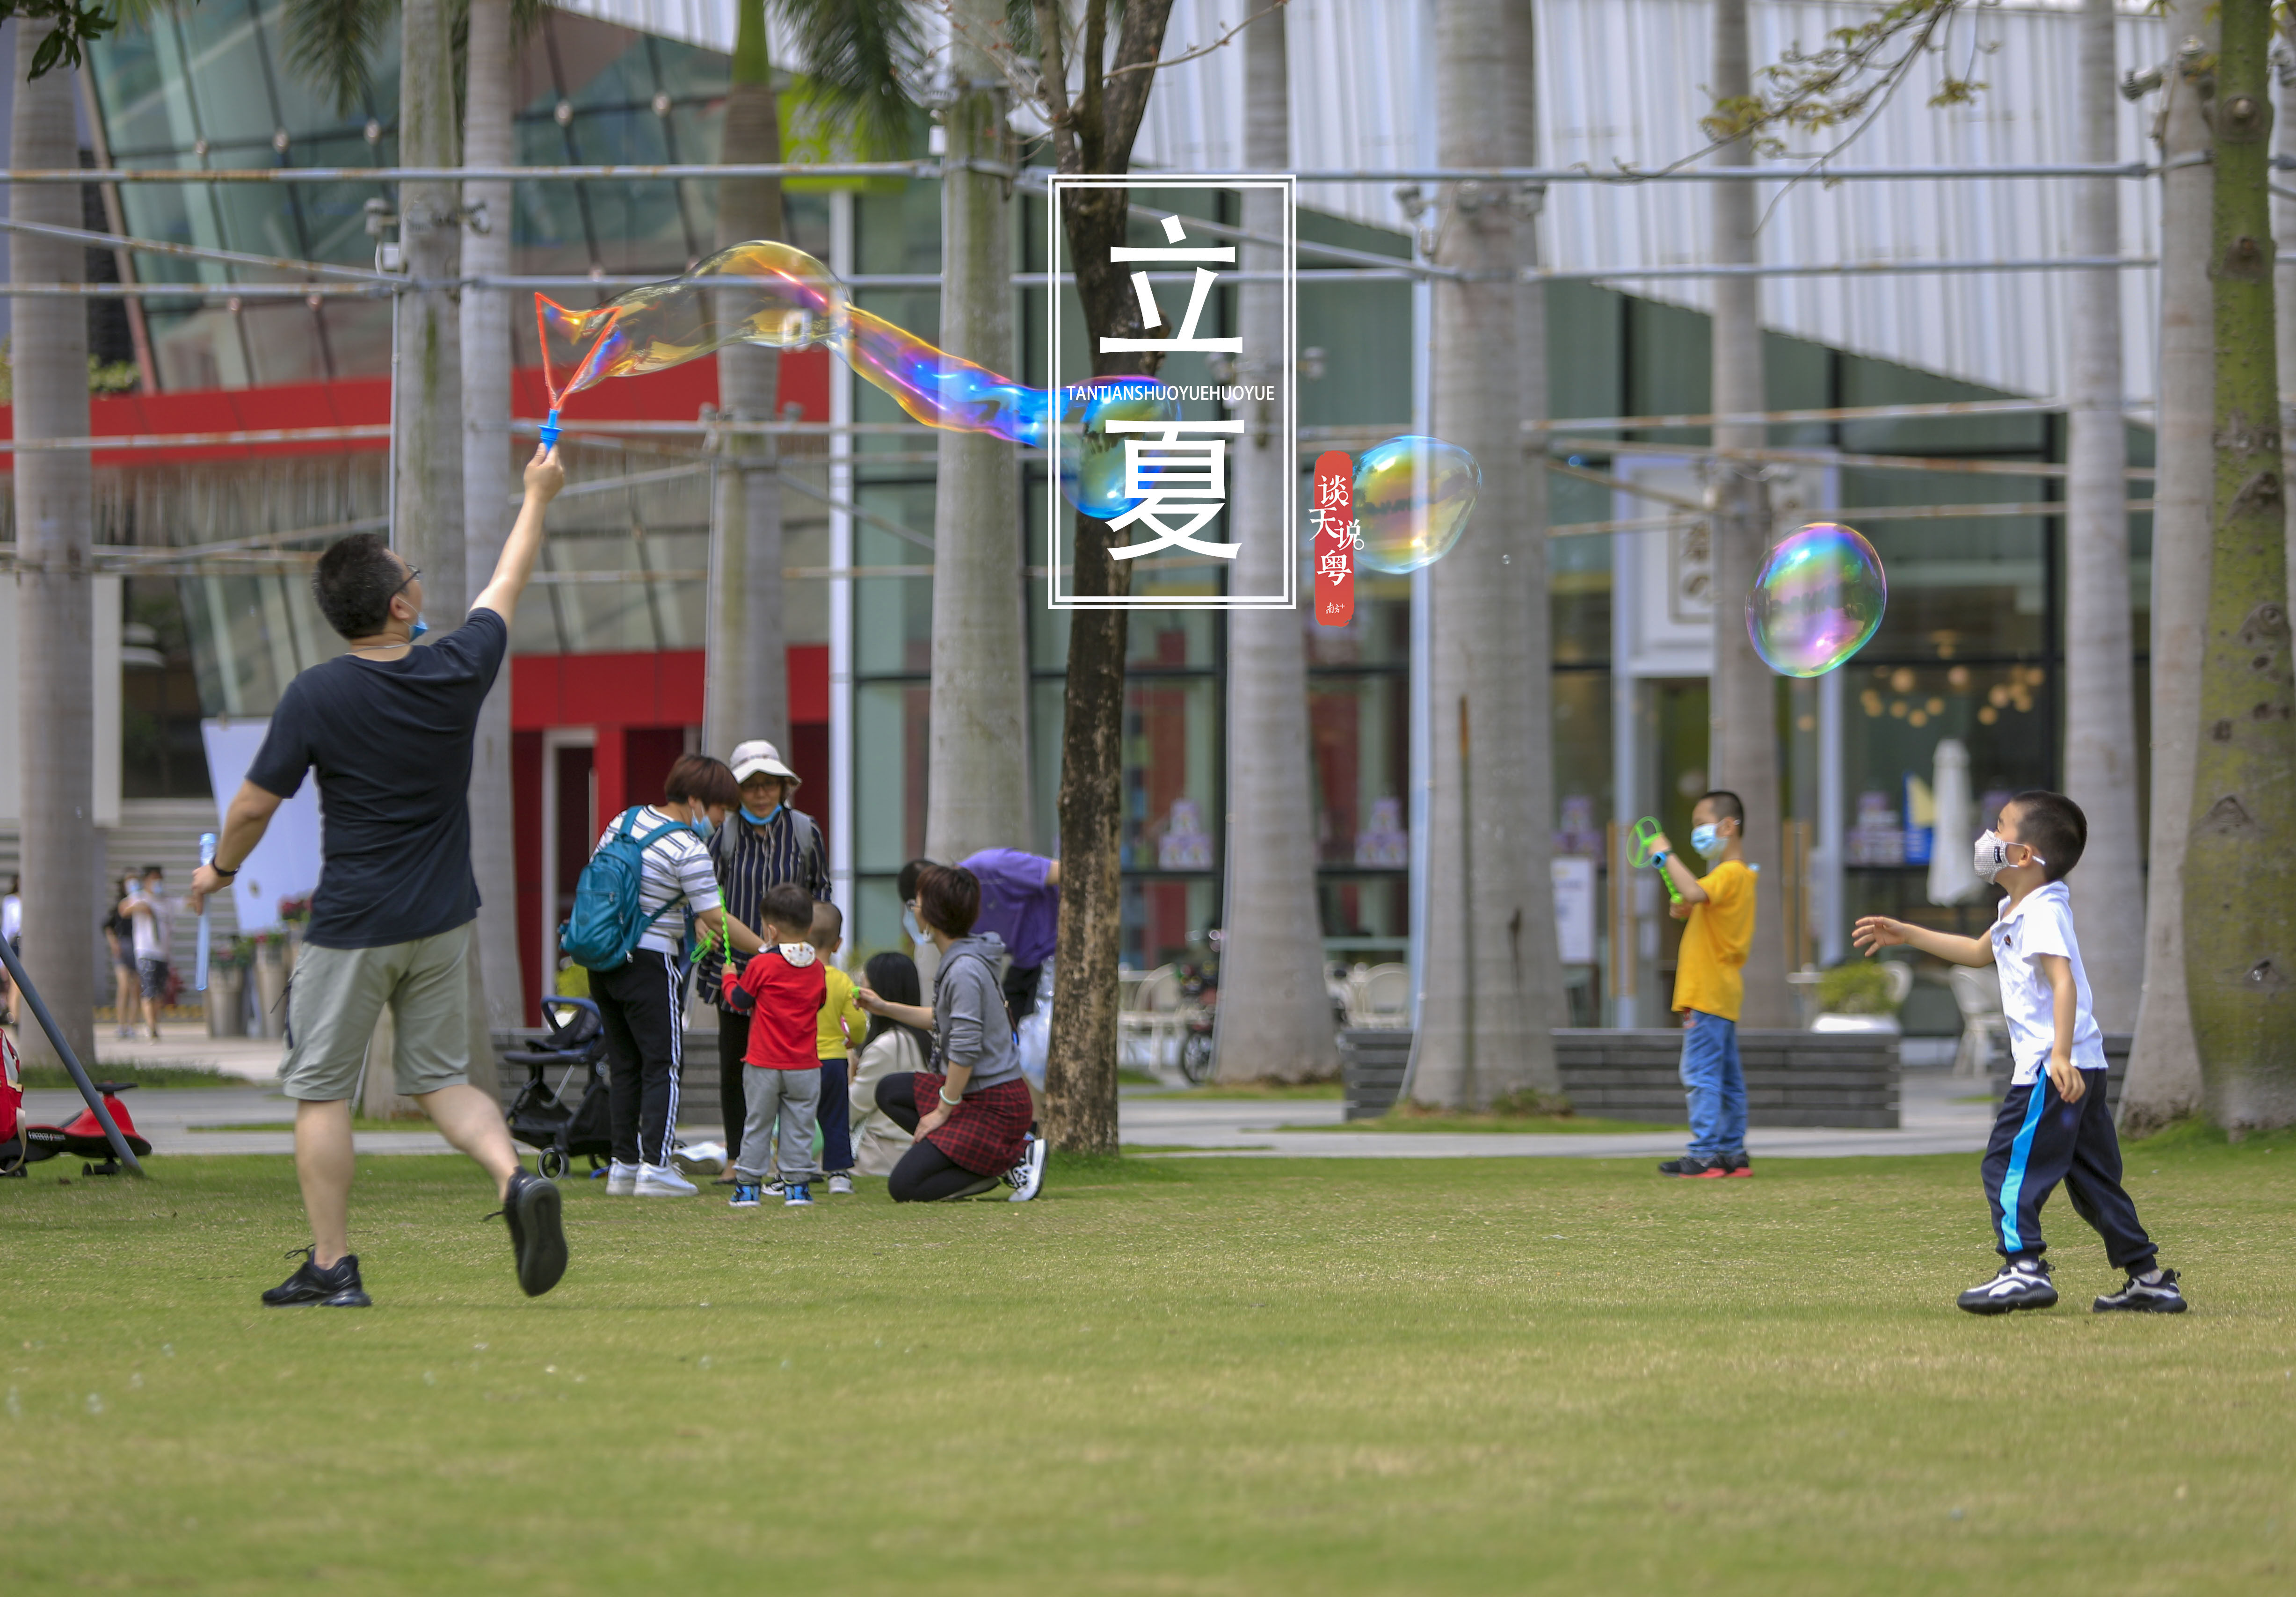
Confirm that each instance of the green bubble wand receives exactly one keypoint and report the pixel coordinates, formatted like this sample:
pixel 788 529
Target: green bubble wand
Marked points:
pixel 1643 850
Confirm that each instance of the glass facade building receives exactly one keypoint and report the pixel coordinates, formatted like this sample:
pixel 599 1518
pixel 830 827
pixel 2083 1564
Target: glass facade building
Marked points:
pixel 1972 648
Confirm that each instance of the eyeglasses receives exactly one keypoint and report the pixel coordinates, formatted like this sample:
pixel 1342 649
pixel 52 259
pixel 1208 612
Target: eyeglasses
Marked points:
pixel 414 574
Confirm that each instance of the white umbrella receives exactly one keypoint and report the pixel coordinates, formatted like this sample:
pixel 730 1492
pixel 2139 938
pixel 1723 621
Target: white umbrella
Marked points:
pixel 1953 872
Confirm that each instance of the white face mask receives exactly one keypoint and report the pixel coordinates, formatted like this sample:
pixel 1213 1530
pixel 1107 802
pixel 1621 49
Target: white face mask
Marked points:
pixel 1993 855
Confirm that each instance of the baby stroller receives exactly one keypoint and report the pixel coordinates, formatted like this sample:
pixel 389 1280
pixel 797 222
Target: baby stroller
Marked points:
pixel 541 1116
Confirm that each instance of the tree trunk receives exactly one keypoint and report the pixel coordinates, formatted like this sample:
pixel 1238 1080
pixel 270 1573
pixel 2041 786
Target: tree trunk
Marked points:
pixel 1080 1074
pixel 487 480
pixel 2240 959
pixel 2164 1064
pixel 1274 1019
pixel 1742 739
pixel 56 606
pixel 2100 676
pixel 427 375
pixel 977 776
pixel 1487 1014
pixel 2283 276
pixel 748 669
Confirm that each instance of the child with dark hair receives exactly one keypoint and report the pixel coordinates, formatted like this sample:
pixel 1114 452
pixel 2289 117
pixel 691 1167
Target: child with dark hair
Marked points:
pixel 842 1022
pixel 2054 1124
pixel 1710 987
pixel 975 1133
pixel 782 988
pixel 890 1048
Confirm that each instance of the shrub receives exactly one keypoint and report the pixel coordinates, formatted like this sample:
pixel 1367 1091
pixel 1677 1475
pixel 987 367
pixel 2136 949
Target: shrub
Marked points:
pixel 1860 986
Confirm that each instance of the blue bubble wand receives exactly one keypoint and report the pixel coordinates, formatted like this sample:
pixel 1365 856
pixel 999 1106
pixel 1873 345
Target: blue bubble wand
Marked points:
pixel 550 430
pixel 207 857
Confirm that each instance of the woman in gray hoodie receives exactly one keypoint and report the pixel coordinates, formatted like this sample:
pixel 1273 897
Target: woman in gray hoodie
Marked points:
pixel 970 1113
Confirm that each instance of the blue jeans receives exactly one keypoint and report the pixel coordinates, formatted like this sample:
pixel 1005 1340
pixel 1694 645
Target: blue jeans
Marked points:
pixel 1716 1083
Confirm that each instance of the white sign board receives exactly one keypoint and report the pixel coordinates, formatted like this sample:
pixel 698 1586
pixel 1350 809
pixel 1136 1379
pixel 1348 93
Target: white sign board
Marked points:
pixel 286 865
pixel 1574 909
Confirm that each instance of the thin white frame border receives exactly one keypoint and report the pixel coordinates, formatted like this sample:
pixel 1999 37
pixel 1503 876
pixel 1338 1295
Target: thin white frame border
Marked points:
pixel 1289 398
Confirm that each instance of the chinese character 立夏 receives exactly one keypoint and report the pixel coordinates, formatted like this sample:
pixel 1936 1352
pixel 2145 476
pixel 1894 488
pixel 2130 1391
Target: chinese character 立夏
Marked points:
pixel 1152 316
pixel 1181 484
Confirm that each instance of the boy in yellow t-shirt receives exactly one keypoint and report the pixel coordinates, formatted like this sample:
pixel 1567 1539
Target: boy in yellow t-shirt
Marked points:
pixel 843 1025
pixel 1708 988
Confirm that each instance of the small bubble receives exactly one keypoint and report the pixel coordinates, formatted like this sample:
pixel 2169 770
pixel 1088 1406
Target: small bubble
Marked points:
pixel 550 1369
pixel 705 1305
pixel 478 1347
pixel 2180 1494
pixel 135 1381
pixel 15 1404
pixel 705 1361
pixel 95 1403
pixel 785 1364
pixel 1957 1513
pixel 578 1379
pixel 429 1380
pixel 168 1348
pixel 881 1341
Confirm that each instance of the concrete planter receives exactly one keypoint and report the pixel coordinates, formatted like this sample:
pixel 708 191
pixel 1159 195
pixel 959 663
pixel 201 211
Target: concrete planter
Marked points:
pixel 226 998
pixel 1792 1077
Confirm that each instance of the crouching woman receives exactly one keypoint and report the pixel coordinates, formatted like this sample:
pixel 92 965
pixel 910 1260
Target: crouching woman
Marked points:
pixel 971 1118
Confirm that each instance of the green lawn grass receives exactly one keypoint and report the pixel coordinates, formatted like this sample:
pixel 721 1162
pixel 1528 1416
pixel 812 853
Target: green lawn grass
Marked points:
pixel 1229 1377
pixel 1258 1090
pixel 124 1069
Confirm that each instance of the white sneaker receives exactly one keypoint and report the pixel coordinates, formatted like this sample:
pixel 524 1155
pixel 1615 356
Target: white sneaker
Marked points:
pixel 660 1181
pixel 621 1179
pixel 1027 1176
pixel 841 1184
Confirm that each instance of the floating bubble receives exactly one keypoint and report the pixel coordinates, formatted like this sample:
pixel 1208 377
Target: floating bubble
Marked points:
pixel 1092 457
pixel 1413 496
pixel 1817 600
pixel 780 297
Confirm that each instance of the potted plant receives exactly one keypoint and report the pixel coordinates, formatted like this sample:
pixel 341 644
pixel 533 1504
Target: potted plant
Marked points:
pixel 226 995
pixel 270 981
pixel 1861 995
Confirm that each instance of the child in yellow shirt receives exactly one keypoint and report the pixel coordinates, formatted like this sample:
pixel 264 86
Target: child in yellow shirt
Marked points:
pixel 1708 985
pixel 843 1024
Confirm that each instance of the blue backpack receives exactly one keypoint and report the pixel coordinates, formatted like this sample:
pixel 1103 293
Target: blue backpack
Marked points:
pixel 608 918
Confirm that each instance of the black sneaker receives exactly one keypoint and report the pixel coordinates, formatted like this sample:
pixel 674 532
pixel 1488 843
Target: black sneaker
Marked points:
pixel 531 1210
pixel 1734 1165
pixel 1695 1167
pixel 334 1286
pixel 2022 1283
pixel 2159 1297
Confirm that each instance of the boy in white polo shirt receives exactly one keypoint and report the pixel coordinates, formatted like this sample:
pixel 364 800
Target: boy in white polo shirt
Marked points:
pixel 2054 1125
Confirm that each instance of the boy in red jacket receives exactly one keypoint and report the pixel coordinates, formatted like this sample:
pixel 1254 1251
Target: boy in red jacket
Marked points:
pixel 784 985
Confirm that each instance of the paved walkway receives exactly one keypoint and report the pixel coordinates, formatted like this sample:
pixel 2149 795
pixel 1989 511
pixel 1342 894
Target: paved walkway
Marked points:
pixel 1932 1121
pixel 1935 1121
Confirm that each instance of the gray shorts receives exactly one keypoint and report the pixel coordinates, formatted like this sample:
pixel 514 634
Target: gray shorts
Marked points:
pixel 337 995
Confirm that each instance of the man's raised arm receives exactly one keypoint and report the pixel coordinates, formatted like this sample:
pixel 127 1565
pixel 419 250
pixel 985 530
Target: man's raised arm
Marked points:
pixel 543 477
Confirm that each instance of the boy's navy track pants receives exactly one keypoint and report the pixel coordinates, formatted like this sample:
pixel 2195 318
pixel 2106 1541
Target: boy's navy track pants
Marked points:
pixel 2039 1140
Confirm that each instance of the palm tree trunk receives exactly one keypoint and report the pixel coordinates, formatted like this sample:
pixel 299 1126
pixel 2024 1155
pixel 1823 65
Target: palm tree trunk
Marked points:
pixel 427 378
pixel 56 608
pixel 748 669
pixel 2240 923
pixel 1742 752
pixel 1080 1074
pixel 2164 1063
pixel 1273 1018
pixel 2100 677
pixel 488 478
pixel 1486 1011
pixel 977 787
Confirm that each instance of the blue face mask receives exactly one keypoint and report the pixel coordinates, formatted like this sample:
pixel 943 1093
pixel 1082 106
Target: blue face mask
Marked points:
pixel 909 924
pixel 417 629
pixel 702 827
pixel 1706 839
pixel 760 820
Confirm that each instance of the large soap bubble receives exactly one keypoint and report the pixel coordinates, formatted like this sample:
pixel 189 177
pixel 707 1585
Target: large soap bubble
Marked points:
pixel 1413 496
pixel 1817 600
pixel 781 297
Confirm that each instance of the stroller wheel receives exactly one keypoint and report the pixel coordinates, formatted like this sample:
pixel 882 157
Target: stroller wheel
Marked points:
pixel 553 1163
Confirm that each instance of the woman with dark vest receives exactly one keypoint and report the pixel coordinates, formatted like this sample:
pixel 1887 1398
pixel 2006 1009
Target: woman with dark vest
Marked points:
pixel 971 1113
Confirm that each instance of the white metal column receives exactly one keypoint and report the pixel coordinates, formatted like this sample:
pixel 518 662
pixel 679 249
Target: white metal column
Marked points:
pixel 842 808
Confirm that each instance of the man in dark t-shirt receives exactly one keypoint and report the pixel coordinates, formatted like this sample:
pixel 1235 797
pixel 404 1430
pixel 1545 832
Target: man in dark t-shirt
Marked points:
pixel 389 728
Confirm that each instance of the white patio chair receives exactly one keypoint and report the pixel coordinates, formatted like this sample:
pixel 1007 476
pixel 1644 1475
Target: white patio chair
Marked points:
pixel 1977 993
